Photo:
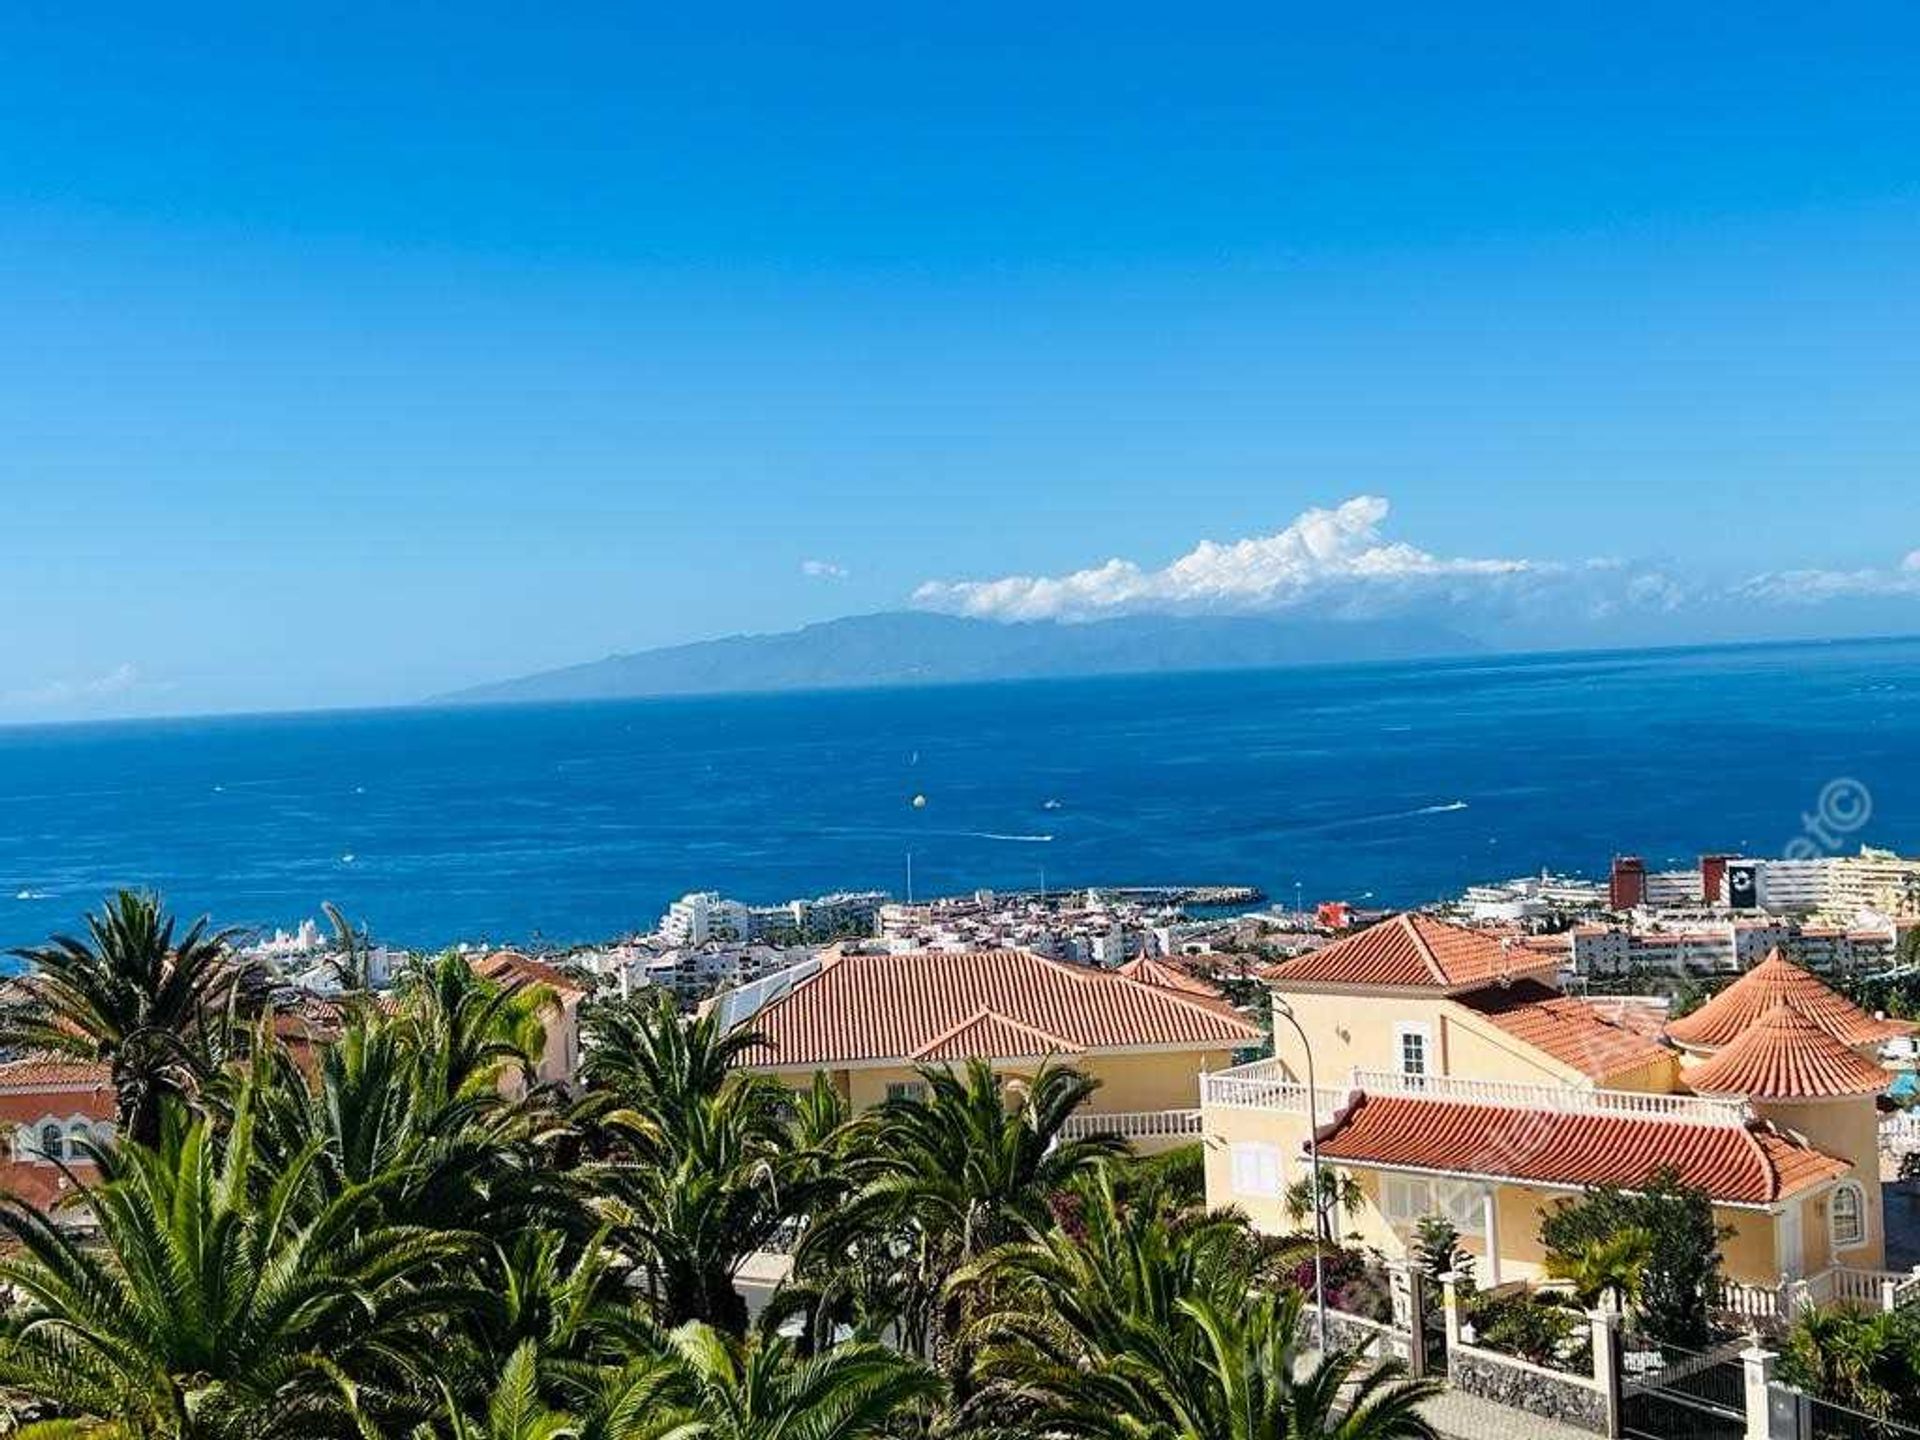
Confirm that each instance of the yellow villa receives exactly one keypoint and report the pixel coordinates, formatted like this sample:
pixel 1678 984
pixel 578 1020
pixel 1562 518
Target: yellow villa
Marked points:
pixel 1454 1077
pixel 1147 1033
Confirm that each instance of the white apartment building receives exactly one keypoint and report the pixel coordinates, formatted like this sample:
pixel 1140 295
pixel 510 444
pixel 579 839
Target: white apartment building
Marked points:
pixel 704 916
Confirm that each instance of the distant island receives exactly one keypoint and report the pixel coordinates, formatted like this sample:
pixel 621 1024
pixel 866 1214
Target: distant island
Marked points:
pixel 917 648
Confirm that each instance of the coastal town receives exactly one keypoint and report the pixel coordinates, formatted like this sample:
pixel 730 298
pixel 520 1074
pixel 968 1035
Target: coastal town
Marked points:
pixel 1730 1036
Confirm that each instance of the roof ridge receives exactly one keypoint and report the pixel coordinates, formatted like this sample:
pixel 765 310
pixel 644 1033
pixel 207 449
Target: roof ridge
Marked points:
pixel 1768 1170
pixel 987 1012
pixel 1200 1004
pixel 1410 924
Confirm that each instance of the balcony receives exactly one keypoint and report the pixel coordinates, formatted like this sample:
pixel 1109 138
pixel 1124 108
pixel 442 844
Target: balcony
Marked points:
pixel 1262 1085
pixel 1143 1129
pixel 1556 1099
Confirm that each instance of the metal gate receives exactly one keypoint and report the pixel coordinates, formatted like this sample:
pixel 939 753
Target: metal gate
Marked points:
pixel 1671 1393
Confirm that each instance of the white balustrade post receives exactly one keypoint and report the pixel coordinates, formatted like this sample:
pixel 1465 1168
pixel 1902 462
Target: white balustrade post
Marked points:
pixel 1450 1310
pixel 1408 1284
pixel 1607 1369
pixel 1770 1415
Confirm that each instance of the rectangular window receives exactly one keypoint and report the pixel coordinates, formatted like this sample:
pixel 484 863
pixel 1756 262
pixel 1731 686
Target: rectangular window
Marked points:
pixel 906 1090
pixel 1256 1171
pixel 1463 1205
pixel 1406 1199
pixel 1414 1047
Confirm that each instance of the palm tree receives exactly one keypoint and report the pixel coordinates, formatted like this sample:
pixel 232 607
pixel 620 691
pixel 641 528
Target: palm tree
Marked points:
pixel 155 1009
pixel 469 1034
pixel 1249 1381
pixel 1610 1269
pixel 210 1308
pixel 758 1388
pixel 700 1165
pixel 641 1052
pixel 1867 1360
pixel 514 1410
pixel 974 1165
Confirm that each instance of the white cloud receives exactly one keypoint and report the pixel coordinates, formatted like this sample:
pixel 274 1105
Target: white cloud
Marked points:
pixel 120 680
pixel 1811 587
pixel 823 570
pixel 1336 559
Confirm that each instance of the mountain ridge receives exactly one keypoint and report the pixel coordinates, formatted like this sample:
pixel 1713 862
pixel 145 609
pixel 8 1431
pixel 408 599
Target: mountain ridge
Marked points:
pixel 909 647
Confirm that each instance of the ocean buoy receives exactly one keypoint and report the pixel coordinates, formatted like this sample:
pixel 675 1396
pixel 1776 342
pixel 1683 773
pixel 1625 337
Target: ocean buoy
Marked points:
pixel 919 802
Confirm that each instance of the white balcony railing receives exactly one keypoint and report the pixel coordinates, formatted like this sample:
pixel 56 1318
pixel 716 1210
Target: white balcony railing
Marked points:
pixel 1262 1085
pixel 1133 1124
pixel 1900 1134
pixel 1556 1099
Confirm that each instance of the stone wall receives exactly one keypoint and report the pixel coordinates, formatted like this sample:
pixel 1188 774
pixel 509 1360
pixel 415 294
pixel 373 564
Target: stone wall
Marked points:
pixel 1514 1383
pixel 1374 1339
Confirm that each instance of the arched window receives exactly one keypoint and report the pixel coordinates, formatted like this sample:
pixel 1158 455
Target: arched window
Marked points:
pixel 78 1132
pixel 1847 1215
pixel 52 1140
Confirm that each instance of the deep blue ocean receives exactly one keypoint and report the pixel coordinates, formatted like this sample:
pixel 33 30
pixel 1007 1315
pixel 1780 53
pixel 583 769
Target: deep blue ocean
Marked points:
pixel 580 822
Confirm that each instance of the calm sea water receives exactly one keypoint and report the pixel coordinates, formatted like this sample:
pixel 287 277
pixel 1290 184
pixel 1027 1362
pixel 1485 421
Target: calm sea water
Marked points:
pixel 579 822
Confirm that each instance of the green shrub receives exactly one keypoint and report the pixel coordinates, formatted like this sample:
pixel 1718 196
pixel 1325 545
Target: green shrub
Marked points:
pixel 1681 1279
pixel 1533 1327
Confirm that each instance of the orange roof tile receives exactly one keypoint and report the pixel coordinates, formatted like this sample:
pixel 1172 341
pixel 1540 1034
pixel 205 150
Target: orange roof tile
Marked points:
pixel 1643 1014
pixel 872 1008
pixel 1742 1004
pixel 1412 951
pixel 1735 1164
pixel 1568 1029
pixel 511 965
pixel 997 1037
pixel 1786 1056
pixel 52 1072
pixel 1174 975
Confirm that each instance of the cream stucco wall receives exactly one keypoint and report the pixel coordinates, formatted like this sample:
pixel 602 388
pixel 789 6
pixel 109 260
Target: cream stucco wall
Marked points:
pixel 1129 1081
pixel 1350 1032
pixel 1848 1130
pixel 1362 1032
pixel 1518 1209
pixel 1223 1128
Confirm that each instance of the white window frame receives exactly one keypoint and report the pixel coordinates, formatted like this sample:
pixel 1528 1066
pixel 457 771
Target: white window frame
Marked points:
pixel 1257 1170
pixel 1855 1193
pixel 1414 1030
pixel 1406 1200
pixel 28 1143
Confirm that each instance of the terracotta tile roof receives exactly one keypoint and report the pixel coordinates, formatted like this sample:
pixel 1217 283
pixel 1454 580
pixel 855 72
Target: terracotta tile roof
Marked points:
pixel 1412 950
pixel 511 965
pixel 1568 1029
pixel 1151 970
pixel 1742 1004
pixel 1643 1014
pixel 872 1008
pixel 51 1072
pixel 996 1036
pixel 1787 1057
pixel 1735 1164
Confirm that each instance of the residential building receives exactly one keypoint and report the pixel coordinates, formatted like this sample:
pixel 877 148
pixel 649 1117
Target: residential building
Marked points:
pixel 702 916
pixel 560 996
pixel 869 1022
pixel 1454 1077
pixel 49 1108
pixel 1876 880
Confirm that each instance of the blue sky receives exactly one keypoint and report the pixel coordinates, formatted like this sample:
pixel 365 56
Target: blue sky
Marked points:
pixel 355 353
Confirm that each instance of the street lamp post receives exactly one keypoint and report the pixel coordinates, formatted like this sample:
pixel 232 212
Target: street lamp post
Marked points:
pixel 1283 1011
